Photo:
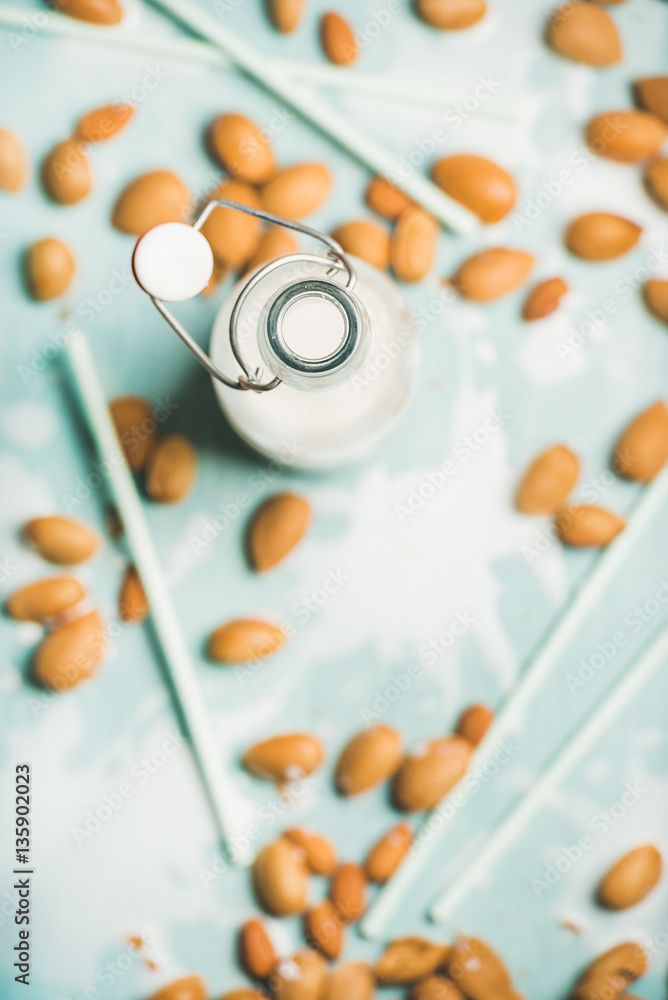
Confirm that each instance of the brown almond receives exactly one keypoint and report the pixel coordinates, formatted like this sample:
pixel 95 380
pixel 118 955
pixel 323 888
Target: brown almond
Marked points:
pixel 171 467
pixel 585 33
pixel 611 973
pixel 544 299
pixel 187 988
pixel 387 853
pixel 286 14
pixel 297 191
pixel 409 959
pixel 451 15
pixel 319 852
pixel 631 878
pixel 323 929
pixel 651 93
pixel 233 235
pixel 548 481
pixel 386 198
pixel 436 988
pixel 430 772
pixel 301 977
pixel 104 123
pixel 478 971
pixel 66 174
pixel 337 39
pixel 587 526
pixel 626 136
pixel 244 993
pixel 151 199
pixel 276 242
pixel 347 891
pixel 256 950
pixel 132 601
pixel 45 599
pixel 368 759
pixel 136 427
pixel 284 758
pixel 244 640
pixel 280 878
pixel 241 148
pixel 484 187
pixel 352 981
pixel 642 449
pixel 413 244
pixel 13 162
pixel 50 269
pixel 365 240
pixel 70 654
pixel 62 540
pixel 489 274
pixel 95 11
pixel 277 526
pixel 656 179
pixel 655 294
pixel 601 236
pixel 474 722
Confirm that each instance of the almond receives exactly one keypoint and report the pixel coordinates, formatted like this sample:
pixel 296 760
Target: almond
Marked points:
pixel 387 854
pixel 406 960
pixel 234 236
pixel 631 878
pixel 95 11
pixel 626 136
pixel 601 236
pixel 436 988
pixel 280 878
pixel 413 244
pixel 337 39
pixel 365 240
pixel 277 526
pixel 151 199
pixel 71 653
pixel 241 148
pixel 245 640
pixel 136 427
pixel 276 242
pixel 386 198
pixel 548 481
pixel 544 299
pixel 104 123
pixel 323 929
pixel 484 187
pixel 319 852
pixel 586 526
pixel 45 599
pixel 611 973
pixel 256 950
pixel 430 772
pixel 132 601
pixel 368 759
pixel 284 758
pixel 489 274
pixel 451 15
pixel 478 971
pixel 171 467
pixel 66 173
pixel 655 293
pixel 286 14
pixel 62 540
pixel 352 981
pixel 244 994
pixel 50 269
pixel 347 892
pixel 13 162
pixel 585 33
pixel 642 449
pixel 651 93
pixel 656 178
pixel 297 191
pixel 301 977
pixel 474 722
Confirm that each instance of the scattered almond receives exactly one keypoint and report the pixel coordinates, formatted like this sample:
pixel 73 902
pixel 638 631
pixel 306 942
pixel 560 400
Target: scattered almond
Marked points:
pixel 655 293
pixel 585 33
pixel 104 123
pixel 234 236
pixel 413 244
pixel 297 191
pixel 656 178
pixel 451 15
pixel 62 540
pixel 151 199
pixel 45 600
pixel 642 449
pixel 428 773
pixel 651 93
pixel 631 878
pixel 586 526
pixel 132 602
pixel 286 14
pixel 611 973
pixel 368 759
pixel 13 162
pixel 338 39
pixel 352 981
pixel 601 236
pixel 284 758
pixel 347 892
pixel 626 136
pixel 136 428
pixel 386 199
pixel 244 993
pixel 319 852
pixel 548 481
pixel 187 988
pixel 280 878
pixel 365 240
pixel 242 149
pixel 171 467
pixel 276 242
pixel 474 722
pixel 301 977
pixel 489 274
pixel 70 654
pixel 95 11
pixel 478 971
pixel 244 641
pixel 256 950
pixel 387 854
pixel 409 959
pixel 277 526
pixel 484 187
pixel 436 988
pixel 50 269
pixel 544 299
pixel 66 173
pixel 323 929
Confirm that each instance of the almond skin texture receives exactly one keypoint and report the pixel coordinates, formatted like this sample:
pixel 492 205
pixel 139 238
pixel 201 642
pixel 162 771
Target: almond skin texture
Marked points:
pixel 366 241
pixel 151 199
pixel 275 243
pixel 429 773
pixel 451 15
pixel 655 293
pixel 387 854
pixel 626 136
pixel 484 187
pixel 62 540
pixel 347 892
pixel 548 481
pixel 136 428
pixel 474 722
pixel 436 988
pixel 386 199
pixel 104 123
pixel 611 973
pixel 284 758
pixel 406 960
pixel 50 269
pixel 66 174
pixel 585 33
pixel 188 988
pixel 244 994
pixel 492 273
pixel 285 14
pixel 656 179
pixel 244 640
pixel 352 981
pixel 368 759
pixel 132 602
pixel 586 526
pixel 256 951
pixel 13 162
pixel 631 878
pixel 651 93
pixel 301 977
pixel 239 147
pixel 323 929
pixel 337 39
pixel 297 191
pixel 95 11
pixel 642 449
pixel 171 467
pixel 319 852
pixel 280 878
pixel 413 245
pixel 70 654
pixel 601 236
pixel 478 971
pixel 45 600
pixel 277 526
pixel 544 299
pixel 234 236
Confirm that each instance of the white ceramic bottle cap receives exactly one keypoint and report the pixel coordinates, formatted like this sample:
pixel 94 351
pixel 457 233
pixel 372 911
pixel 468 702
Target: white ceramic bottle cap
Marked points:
pixel 172 262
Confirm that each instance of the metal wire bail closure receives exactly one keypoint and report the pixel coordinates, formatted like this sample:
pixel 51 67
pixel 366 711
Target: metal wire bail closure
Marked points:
pixel 335 261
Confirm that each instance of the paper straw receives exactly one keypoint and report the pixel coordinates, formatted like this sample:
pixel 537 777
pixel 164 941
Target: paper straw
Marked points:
pixel 178 661
pixel 540 668
pixel 508 832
